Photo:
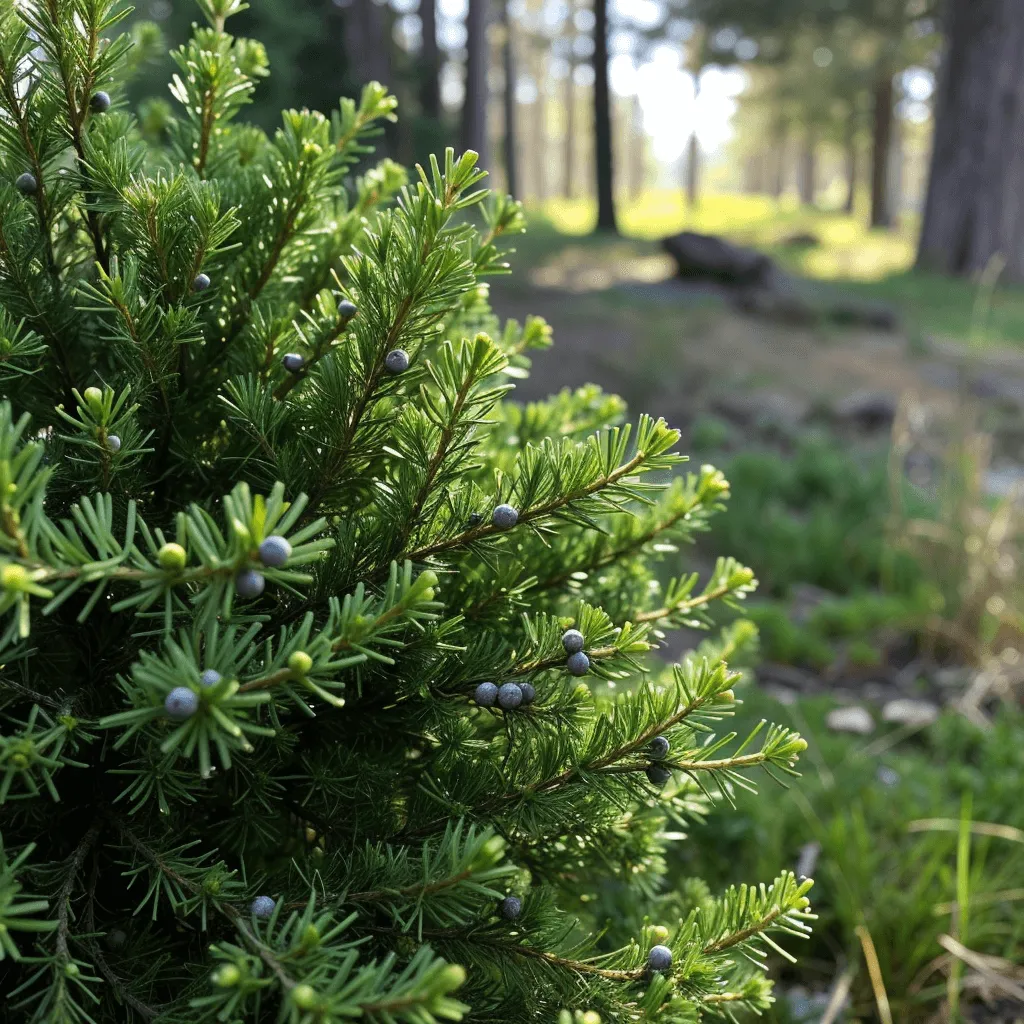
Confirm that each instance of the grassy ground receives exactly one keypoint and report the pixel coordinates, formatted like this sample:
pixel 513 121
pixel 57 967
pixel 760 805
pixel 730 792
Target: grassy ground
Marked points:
pixel 876 264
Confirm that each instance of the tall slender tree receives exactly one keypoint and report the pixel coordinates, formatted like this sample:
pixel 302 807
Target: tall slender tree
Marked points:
pixel 474 104
pixel 975 205
pixel 511 140
pixel 604 161
pixel 430 61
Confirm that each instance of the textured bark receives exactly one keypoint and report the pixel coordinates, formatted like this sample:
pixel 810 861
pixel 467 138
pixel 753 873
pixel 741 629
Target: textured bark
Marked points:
pixel 508 56
pixel 603 157
pixel 881 138
pixel 367 43
pixel 637 150
pixel 809 168
pixel 430 61
pixel 779 163
pixel 474 105
pixel 975 205
pixel 692 171
pixel 850 145
pixel 539 133
pixel 569 156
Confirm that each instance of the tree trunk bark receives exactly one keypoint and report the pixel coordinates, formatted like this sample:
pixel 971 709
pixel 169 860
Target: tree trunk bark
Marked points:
pixel 975 205
pixel 367 43
pixel 509 103
pixel 779 175
pixel 539 139
pixel 569 142
pixel 603 157
pixel 809 168
pixel 850 143
pixel 430 62
pixel 881 213
pixel 692 172
pixel 474 106
pixel 637 149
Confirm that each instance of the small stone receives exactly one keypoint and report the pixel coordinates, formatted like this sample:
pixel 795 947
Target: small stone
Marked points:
pixel 659 958
pixel 505 517
pixel 172 557
pixel 181 703
pixel 510 695
pixel 658 775
pixel 262 907
pixel 113 443
pixel 100 102
pixel 573 641
pixel 510 907
pixel 210 677
pixel 347 309
pixel 201 283
pixel 529 692
pixel 578 664
pixel 26 184
pixel 659 748
pixel 485 695
pixel 249 583
pixel 397 361
pixel 853 719
pixel 293 362
pixel 275 551
pixel 915 714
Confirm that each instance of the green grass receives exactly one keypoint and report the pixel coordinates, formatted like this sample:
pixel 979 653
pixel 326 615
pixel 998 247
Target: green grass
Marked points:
pixel 875 264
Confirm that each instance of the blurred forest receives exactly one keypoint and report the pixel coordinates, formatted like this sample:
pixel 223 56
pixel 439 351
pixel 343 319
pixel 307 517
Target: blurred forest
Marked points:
pixel 837 99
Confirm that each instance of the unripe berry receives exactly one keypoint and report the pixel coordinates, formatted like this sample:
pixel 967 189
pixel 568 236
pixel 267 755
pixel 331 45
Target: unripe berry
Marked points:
pixel 659 932
pixel 505 517
pixel 275 551
pixel 727 696
pixel 93 398
pixel 210 677
pixel 452 977
pixel 572 641
pixel 14 576
pixel 113 443
pixel 397 361
pixel 304 997
pixel 172 557
pixel 72 970
pixel 300 663
pixel 227 976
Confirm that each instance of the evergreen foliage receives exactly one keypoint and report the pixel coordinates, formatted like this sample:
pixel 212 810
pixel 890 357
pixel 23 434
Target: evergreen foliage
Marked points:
pixel 246 606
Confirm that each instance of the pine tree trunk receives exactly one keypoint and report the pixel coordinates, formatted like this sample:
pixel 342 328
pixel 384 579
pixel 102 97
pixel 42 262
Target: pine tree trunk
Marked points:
pixel 569 156
pixel 367 46
pixel 474 106
pixel 850 144
pixel 975 204
pixel 692 171
pixel 509 103
pixel 637 149
pixel 603 158
pixel 809 168
pixel 539 139
pixel 430 62
pixel 881 214
pixel 779 168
